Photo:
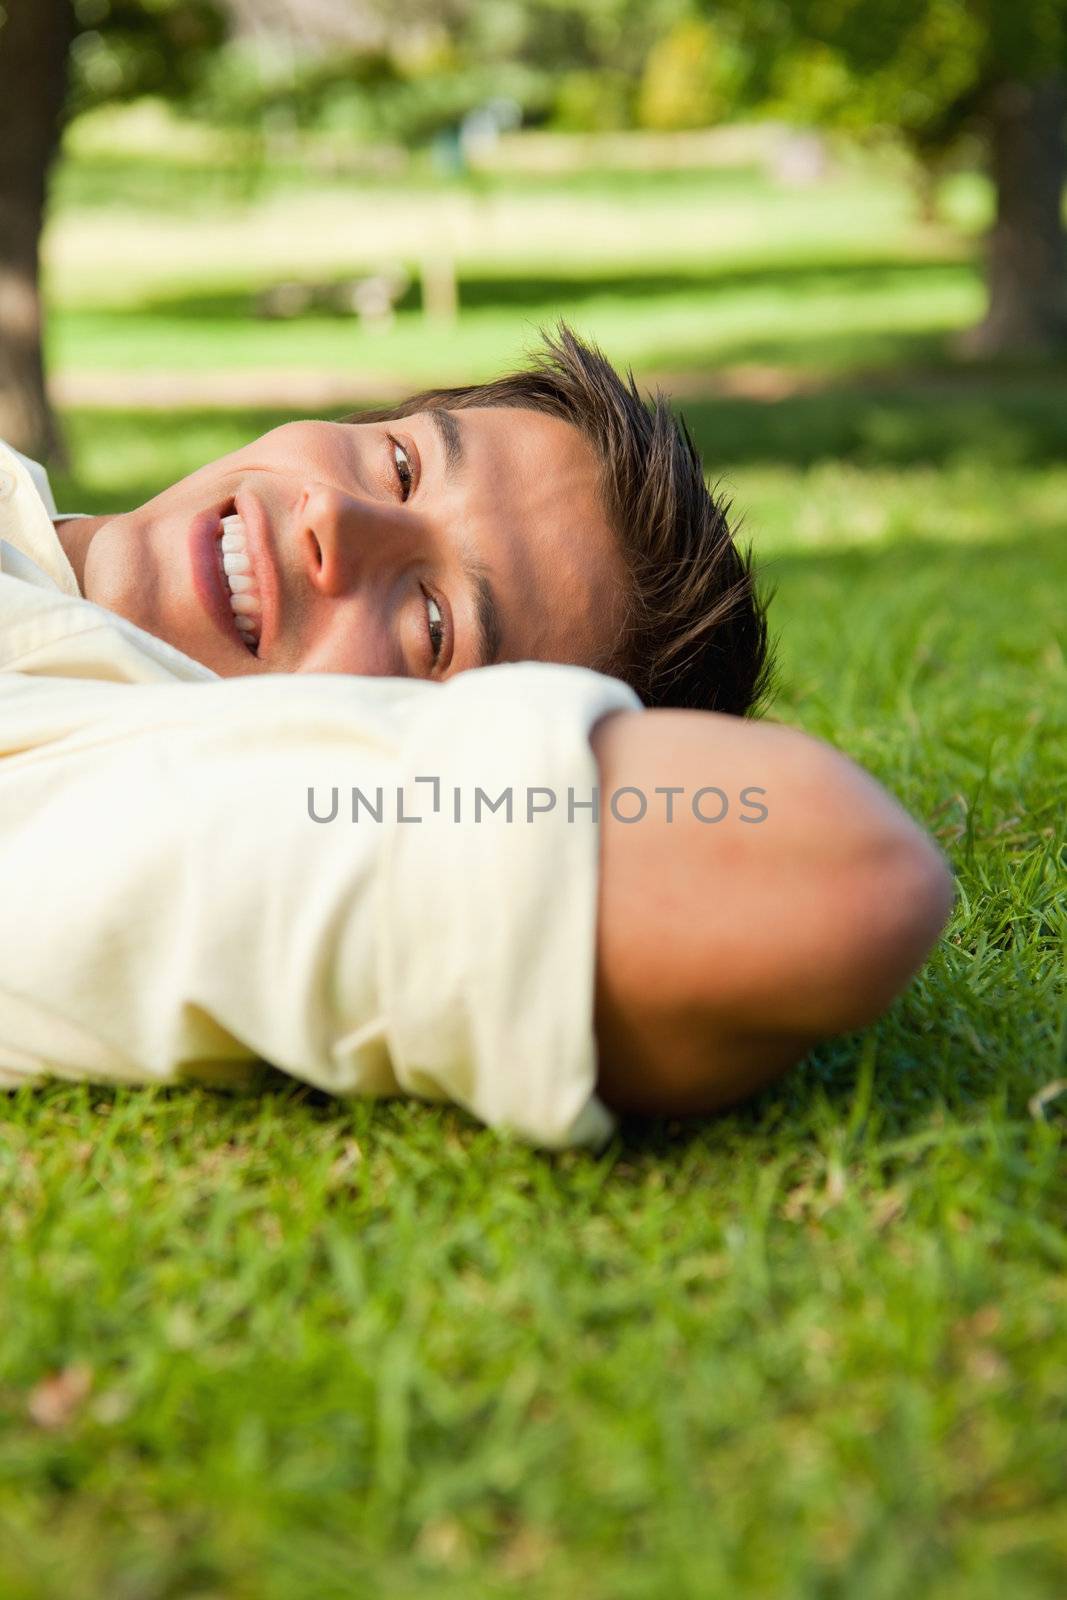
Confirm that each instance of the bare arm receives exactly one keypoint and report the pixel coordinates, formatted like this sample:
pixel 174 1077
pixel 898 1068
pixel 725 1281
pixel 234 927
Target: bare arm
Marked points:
pixel 726 949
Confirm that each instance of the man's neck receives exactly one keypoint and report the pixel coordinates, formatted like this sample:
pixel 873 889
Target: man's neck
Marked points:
pixel 75 534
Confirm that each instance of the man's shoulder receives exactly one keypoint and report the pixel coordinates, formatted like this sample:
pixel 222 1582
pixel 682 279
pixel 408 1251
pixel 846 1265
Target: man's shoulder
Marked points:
pixel 37 475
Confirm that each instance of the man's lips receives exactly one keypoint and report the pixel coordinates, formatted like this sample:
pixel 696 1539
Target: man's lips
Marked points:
pixel 209 579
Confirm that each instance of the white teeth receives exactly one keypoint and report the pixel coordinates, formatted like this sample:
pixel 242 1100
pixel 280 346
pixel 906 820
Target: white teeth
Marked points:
pixel 244 596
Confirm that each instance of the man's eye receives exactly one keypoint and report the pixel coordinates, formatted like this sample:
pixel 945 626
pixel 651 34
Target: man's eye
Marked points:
pixel 435 626
pixel 405 476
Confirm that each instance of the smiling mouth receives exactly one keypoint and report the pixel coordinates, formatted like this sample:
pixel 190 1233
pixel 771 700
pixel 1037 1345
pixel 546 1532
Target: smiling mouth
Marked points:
pixel 239 580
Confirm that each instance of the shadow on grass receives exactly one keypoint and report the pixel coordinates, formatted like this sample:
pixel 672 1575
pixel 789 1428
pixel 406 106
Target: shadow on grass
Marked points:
pixel 1021 422
pixel 526 290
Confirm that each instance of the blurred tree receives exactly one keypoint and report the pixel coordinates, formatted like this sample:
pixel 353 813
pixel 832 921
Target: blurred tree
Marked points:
pixel 57 56
pixel 583 59
pixel 34 39
pixel 935 70
pixel 690 78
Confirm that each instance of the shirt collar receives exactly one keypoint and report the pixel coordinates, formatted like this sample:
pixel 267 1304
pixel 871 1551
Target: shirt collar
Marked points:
pixel 27 533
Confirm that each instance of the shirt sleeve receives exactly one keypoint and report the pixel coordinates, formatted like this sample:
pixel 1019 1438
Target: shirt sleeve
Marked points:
pixel 200 876
pixel 488 950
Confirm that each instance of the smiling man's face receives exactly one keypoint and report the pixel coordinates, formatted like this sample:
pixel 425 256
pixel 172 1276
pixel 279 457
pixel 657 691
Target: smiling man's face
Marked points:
pixel 412 548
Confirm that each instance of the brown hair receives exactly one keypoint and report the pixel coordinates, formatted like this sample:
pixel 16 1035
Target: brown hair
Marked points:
pixel 697 634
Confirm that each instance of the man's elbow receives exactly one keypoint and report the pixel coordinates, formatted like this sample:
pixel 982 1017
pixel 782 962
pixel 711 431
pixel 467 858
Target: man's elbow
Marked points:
pixel 890 913
pixel 722 958
pixel 880 920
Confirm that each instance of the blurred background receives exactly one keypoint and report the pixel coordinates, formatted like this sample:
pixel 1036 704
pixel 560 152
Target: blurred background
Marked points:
pixel 833 229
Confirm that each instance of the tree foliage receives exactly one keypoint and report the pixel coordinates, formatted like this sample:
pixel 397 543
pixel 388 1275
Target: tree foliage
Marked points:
pixel 414 68
pixel 692 77
pixel 122 49
pixel 407 68
pixel 924 68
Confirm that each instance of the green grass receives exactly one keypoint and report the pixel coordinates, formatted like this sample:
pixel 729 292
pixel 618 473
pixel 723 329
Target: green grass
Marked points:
pixel 813 1350
pixel 699 270
pixel 826 318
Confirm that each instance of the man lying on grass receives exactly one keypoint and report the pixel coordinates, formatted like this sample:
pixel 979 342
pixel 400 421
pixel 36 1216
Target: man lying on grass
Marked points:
pixel 542 891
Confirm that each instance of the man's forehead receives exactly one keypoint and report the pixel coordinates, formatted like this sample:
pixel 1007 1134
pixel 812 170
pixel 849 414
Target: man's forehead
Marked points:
pixel 527 456
pixel 521 431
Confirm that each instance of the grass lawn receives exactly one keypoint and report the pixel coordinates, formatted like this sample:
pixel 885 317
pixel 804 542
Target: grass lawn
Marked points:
pixel 688 272
pixel 814 1349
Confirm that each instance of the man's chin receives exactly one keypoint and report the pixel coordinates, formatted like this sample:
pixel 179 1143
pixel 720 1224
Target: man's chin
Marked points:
pixel 121 576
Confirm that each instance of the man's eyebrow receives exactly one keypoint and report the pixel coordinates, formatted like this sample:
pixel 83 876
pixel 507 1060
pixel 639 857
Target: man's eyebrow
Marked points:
pixel 488 625
pixel 447 425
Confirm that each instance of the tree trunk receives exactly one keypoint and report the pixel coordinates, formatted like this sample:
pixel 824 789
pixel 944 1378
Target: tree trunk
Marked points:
pixel 1027 248
pixel 34 40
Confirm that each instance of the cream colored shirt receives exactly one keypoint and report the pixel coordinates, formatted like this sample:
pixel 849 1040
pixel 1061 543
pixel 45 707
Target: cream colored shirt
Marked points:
pixel 170 906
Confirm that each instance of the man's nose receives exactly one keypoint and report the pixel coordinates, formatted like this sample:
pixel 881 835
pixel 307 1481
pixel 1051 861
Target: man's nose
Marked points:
pixel 343 538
